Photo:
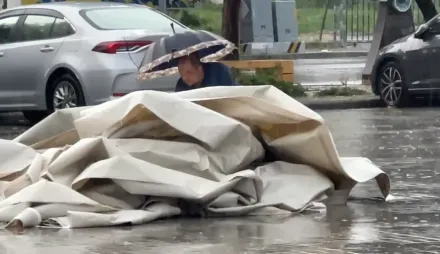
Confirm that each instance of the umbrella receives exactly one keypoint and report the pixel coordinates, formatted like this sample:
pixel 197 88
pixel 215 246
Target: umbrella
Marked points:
pixel 160 59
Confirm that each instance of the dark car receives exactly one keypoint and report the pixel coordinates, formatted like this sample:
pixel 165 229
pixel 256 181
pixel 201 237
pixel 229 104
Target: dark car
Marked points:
pixel 409 66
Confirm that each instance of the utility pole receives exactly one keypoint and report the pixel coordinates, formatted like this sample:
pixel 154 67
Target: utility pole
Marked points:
pixel 231 10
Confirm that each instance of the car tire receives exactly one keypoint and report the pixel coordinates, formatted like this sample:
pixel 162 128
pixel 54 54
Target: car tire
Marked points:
pixel 65 84
pixel 66 80
pixel 392 86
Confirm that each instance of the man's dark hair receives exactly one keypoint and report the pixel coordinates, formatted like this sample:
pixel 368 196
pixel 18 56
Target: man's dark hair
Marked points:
pixel 192 58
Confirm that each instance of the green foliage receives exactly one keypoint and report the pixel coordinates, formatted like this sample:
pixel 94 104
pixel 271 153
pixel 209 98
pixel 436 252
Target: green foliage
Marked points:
pixel 190 19
pixel 206 17
pixel 270 76
pixel 315 3
pixel 340 91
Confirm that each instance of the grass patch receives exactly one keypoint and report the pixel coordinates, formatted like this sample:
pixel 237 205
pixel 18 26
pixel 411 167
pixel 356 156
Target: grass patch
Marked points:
pixel 340 91
pixel 269 77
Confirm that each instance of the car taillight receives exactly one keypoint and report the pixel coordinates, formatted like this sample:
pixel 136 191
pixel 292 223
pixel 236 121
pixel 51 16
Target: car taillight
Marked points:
pixel 113 47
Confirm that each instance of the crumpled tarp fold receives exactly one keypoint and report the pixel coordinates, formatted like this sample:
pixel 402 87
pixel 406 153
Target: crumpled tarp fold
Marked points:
pixel 217 151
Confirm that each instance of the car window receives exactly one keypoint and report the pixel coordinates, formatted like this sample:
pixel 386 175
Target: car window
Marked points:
pixel 128 18
pixel 37 27
pixel 61 28
pixel 6 27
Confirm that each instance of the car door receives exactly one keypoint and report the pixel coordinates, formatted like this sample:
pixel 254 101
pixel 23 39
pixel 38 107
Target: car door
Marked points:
pixel 8 31
pixel 434 54
pixel 423 59
pixel 35 56
pixel 31 57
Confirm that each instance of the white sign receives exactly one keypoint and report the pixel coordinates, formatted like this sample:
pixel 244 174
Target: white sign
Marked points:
pixel 262 45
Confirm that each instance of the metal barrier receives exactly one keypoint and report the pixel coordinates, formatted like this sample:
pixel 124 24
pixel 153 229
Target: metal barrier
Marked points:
pixel 351 21
pixel 361 19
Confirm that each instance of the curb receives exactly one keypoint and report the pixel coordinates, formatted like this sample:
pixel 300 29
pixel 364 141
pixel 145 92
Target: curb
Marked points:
pixel 332 103
pixel 308 55
pixel 331 54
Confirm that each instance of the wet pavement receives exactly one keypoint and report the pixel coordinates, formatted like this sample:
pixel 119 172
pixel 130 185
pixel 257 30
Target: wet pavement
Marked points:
pixel 405 143
pixel 329 71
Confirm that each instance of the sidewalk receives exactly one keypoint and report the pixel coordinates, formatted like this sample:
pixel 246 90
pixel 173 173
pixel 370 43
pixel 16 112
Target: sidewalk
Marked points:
pixel 309 55
pixel 342 102
pixel 319 50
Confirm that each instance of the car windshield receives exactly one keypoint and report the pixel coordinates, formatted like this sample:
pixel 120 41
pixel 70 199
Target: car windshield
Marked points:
pixel 123 18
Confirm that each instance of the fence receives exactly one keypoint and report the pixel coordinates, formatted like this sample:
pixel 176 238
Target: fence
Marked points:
pixel 318 20
pixel 170 4
pixel 342 20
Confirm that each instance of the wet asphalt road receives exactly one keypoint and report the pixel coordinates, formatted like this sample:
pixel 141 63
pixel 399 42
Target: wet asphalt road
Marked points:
pixel 329 71
pixel 405 143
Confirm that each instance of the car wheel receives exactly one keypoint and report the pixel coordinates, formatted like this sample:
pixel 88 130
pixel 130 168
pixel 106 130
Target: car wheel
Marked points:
pixel 65 92
pixel 391 84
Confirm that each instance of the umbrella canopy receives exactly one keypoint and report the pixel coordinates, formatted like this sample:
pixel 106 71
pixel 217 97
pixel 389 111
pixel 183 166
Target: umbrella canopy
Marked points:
pixel 160 59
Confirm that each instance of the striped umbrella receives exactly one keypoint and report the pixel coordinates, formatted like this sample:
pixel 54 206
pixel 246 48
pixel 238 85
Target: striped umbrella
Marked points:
pixel 160 59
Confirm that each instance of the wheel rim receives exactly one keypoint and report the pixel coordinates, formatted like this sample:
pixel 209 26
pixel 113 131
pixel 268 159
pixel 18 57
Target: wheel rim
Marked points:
pixel 392 86
pixel 64 96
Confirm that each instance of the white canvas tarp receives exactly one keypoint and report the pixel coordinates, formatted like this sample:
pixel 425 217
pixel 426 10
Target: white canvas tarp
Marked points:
pixel 219 151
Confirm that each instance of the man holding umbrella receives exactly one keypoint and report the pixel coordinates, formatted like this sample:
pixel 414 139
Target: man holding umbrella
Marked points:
pixel 193 55
pixel 195 74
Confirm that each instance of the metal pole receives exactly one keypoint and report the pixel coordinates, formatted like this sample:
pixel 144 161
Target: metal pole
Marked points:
pixel 341 21
pixel 335 22
pixel 327 5
pixel 163 6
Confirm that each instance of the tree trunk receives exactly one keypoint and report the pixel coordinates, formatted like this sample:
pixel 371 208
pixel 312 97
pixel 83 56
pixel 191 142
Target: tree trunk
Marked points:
pixel 231 10
pixel 427 8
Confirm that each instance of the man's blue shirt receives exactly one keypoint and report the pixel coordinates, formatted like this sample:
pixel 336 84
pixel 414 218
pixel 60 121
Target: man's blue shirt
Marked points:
pixel 216 74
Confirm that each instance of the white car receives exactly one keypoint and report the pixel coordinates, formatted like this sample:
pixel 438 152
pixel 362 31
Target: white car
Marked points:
pixel 68 54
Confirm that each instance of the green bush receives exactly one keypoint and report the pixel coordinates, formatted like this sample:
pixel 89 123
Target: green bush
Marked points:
pixel 340 91
pixel 190 19
pixel 206 17
pixel 270 77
